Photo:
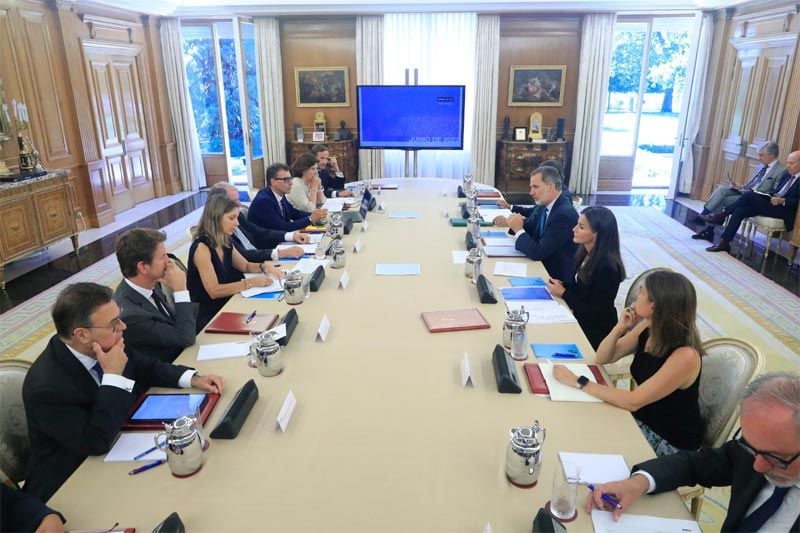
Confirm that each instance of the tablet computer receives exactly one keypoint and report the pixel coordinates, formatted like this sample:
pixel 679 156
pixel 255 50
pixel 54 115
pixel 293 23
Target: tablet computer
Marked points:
pixel 153 409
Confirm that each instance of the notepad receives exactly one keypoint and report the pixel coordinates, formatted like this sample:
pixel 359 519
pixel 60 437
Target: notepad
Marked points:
pixel 564 393
pixel 131 444
pixel 603 522
pixel 527 282
pixel 397 269
pixel 505 268
pixel 502 251
pixel 597 468
pixel 490 213
pixel 222 350
pixel 308 265
pixel 459 257
pixel 525 293
pixel 498 241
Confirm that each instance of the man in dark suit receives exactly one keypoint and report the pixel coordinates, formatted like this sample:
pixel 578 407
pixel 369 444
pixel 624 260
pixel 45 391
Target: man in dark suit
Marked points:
pixel 155 327
pixel 725 194
pixel 246 234
pixel 20 511
pixel 760 464
pixel 780 203
pixel 328 170
pixel 78 392
pixel 548 237
pixel 270 208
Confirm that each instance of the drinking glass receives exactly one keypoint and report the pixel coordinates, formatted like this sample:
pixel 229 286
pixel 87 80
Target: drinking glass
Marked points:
pixel 565 490
pixel 251 360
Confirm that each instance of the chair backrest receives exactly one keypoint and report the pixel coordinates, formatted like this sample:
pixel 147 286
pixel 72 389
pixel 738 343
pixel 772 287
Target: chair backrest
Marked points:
pixel 637 283
pixel 14 442
pixel 728 367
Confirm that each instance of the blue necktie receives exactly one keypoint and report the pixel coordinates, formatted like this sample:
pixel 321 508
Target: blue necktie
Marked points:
pixel 756 520
pixel 97 369
pixel 759 177
pixel 542 221
pixel 284 209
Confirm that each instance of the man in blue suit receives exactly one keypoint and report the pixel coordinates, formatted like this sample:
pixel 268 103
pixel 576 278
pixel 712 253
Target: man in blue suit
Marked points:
pixel 270 208
pixel 549 237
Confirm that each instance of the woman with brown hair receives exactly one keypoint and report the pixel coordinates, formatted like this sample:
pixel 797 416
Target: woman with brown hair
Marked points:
pixel 216 269
pixel 307 191
pixel 659 329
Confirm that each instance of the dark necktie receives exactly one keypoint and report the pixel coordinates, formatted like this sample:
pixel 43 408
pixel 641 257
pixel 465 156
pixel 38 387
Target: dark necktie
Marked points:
pixel 784 189
pixel 756 520
pixel 99 371
pixel 161 304
pixel 780 183
pixel 542 221
pixel 759 177
pixel 284 210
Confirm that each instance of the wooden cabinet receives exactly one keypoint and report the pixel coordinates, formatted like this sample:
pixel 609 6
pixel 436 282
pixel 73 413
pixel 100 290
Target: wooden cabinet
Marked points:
pixel 344 151
pixel 35 213
pixel 517 159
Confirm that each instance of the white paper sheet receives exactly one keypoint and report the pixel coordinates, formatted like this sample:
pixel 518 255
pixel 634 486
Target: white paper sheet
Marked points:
pixel 514 270
pixel 543 311
pixel 276 286
pixel 490 213
pixel 314 238
pixel 308 265
pixel 397 269
pixel 460 257
pixel 564 393
pixel 603 522
pixel 333 205
pixel 502 251
pixel 597 468
pixel 404 214
pixel 222 350
pixel 307 248
pixel 129 445
pixel 498 241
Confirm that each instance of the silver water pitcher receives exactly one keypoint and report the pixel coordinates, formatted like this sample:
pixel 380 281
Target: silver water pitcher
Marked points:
pixel 524 454
pixel 338 256
pixel 182 443
pixel 294 290
pixel 267 354
pixel 336 226
pixel 474 224
pixel 516 320
pixel 473 264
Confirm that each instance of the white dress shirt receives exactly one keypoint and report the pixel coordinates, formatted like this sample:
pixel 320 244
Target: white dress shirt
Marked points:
pixel 179 296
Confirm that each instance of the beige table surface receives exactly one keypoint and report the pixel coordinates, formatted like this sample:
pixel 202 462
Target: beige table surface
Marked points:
pixel 384 437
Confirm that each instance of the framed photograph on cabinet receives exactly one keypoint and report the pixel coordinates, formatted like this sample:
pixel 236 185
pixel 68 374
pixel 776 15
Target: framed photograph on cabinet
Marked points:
pixel 520 134
pixel 537 85
pixel 322 86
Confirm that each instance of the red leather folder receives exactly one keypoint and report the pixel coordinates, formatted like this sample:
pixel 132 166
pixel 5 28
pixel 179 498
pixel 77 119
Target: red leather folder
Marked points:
pixel 457 320
pixel 488 194
pixel 539 385
pixel 237 323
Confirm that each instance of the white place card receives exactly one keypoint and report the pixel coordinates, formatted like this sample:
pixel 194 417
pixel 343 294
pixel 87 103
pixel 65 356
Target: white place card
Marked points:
pixel 446 214
pixel 466 372
pixel 460 257
pixel 324 327
pixel 381 207
pixel 285 414
pixel 279 331
pixel 344 280
pixel 357 246
pixel 364 226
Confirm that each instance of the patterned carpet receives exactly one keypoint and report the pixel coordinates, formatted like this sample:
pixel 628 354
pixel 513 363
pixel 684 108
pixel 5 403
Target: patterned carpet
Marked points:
pixel 733 300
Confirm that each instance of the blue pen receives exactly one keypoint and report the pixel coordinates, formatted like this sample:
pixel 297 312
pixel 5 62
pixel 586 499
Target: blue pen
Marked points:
pixel 154 448
pixel 565 355
pixel 148 466
pixel 250 317
pixel 606 498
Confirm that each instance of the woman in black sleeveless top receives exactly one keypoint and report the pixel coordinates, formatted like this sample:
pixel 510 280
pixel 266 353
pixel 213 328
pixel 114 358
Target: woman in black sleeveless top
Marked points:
pixel 592 293
pixel 215 269
pixel 659 328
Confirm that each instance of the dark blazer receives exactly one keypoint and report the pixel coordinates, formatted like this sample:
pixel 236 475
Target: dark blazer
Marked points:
pixel 20 511
pixel 266 213
pixel 70 417
pixel 330 182
pixel 593 303
pixel 260 237
pixel 149 331
pixel 788 211
pixel 728 465
pixel 256 255
pixel 554 247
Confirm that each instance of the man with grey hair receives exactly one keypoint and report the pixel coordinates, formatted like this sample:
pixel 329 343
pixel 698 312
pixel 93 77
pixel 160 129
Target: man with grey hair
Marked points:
pixel 726 193
pixel 760 463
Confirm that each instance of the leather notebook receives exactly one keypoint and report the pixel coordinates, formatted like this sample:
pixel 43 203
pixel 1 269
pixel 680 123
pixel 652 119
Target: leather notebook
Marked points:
pixel 236 323
pixel 487 194
pixel 456 320
pixel 539 385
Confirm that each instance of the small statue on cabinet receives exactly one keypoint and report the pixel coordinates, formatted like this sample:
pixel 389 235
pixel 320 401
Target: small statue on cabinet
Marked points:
pixel 506 125
pixel 344 133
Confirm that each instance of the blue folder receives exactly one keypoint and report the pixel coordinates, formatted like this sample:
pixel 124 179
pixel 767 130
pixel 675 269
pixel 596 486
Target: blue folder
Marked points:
pixel 527 282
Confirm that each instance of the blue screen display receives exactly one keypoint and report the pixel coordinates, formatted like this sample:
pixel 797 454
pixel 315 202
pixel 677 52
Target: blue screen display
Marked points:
pixel 411 117
pixel 168 406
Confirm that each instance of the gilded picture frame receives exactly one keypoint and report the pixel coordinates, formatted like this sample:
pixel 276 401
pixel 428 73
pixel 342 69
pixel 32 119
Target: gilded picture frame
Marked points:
pixel 537 85
pixel 322 86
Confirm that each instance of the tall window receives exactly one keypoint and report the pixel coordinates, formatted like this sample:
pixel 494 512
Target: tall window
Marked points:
pixel 648 70
pixel 201 74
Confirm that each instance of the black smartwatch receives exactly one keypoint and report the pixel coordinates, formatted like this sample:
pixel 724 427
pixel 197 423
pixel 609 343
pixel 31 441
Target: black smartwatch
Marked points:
pixel 582 381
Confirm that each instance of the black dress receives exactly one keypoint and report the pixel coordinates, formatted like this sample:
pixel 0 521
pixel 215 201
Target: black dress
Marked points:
pixel 676 417
pixel 593 303
pixel 225 272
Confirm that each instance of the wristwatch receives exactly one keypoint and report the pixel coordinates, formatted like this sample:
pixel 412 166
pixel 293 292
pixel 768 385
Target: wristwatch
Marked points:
pixel 582 381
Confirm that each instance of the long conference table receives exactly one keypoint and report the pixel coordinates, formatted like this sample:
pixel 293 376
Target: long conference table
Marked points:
pixel 384 436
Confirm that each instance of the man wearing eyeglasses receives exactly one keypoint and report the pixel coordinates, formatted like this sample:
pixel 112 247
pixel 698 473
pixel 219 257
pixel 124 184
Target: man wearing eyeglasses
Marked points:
pixel 78 392
pixel 270 208
pixel 760 464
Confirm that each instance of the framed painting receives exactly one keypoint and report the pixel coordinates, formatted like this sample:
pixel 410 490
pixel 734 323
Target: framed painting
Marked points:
pixel 322 86
pixel 537 85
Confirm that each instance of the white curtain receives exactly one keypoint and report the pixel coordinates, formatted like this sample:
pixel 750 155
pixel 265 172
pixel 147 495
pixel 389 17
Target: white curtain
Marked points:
pixel 190 161
pixel 442 47
pixel 487 66
pixel 696 80
pixel 270 89
pixel 369 71
pixel 597 42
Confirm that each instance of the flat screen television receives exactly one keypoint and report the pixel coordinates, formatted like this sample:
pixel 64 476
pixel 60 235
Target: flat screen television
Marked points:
pixel 411 117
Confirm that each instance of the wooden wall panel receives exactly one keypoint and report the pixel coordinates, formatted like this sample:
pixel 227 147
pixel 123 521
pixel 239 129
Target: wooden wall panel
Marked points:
pixel 317 42
pixel 539 40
